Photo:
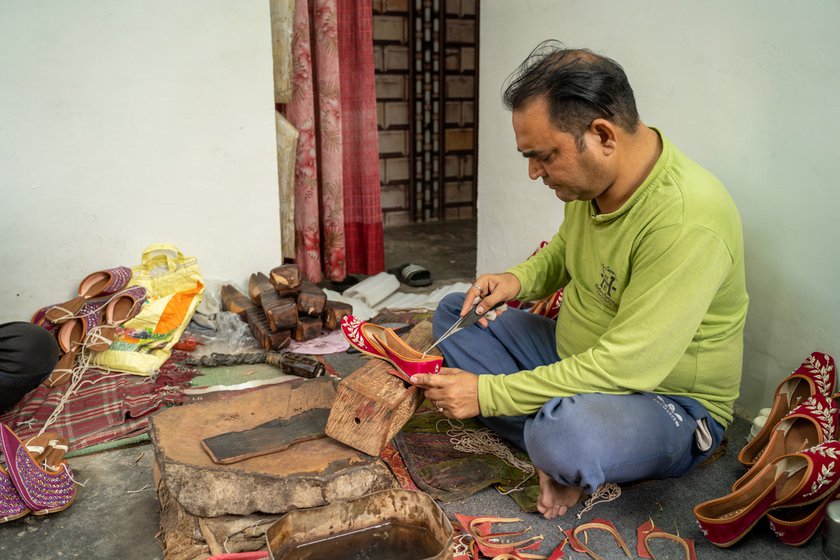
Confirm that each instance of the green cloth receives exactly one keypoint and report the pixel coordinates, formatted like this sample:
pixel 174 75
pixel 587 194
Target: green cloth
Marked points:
pixel 655 297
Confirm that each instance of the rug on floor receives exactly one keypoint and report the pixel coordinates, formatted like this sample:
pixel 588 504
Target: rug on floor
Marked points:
pixel 104 408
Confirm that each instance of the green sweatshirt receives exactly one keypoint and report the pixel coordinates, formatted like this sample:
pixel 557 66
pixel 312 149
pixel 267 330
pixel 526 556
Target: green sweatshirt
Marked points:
pixel 655 297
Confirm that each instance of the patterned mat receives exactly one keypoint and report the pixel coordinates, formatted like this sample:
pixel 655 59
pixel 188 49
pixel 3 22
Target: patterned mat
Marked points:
pixel 452 460
pixel 104 408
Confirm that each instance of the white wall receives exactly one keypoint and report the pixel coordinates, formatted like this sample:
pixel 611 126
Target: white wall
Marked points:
pixel 749 90
pixel 130 122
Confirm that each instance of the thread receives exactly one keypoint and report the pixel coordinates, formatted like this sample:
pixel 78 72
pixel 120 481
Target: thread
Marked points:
pixel 483 441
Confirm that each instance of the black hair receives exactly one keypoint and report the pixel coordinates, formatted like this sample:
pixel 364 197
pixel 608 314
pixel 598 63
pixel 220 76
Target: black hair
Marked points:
pixel 579 85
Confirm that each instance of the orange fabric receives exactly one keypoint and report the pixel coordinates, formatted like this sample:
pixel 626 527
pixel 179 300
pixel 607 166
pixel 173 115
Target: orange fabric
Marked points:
pixel 176 309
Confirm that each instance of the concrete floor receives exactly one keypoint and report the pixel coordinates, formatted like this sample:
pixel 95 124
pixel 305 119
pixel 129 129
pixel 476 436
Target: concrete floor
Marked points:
pixel 116 513
pixel 447 249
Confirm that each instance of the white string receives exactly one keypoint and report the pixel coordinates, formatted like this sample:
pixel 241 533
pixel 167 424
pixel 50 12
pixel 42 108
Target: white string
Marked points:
pixel 82 364
pixel 607 492
pixel 76 482
pixel 485 441
pixel 104 304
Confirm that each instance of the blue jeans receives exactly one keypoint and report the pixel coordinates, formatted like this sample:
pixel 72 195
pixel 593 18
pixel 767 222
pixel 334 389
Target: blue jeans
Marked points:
pixel 587 439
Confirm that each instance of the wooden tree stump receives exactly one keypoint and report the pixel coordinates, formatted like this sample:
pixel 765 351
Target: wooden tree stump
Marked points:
pixel 308 474
pixel 372 405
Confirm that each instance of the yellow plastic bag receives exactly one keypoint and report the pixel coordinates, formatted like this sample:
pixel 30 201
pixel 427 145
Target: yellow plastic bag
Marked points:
pixel 173 290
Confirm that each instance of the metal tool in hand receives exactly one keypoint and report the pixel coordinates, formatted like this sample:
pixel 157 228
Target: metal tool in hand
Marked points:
pixel 469 319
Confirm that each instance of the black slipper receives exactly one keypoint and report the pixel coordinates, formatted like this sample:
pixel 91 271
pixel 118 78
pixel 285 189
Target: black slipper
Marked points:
pixel 412 275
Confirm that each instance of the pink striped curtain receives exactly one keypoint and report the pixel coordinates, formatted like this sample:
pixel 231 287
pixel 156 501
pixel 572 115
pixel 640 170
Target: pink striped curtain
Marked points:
pixel 362 208
pixel 332 161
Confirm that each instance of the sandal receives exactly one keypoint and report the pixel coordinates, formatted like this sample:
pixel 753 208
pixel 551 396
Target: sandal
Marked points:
pixel 100 283
pixel 811 423
pixel 816 375
pixel 40 319
pixel 42 491
pixel 86 330
pixel 412 275
pixel 796 479
pixel 124 306
pixel 63 371
pixel 384 343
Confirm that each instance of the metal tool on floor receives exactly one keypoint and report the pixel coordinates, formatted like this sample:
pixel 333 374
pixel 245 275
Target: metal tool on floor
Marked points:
pixel 470 318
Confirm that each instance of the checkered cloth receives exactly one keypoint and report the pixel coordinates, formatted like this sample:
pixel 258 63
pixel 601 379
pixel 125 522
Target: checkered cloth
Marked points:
pixel 105 407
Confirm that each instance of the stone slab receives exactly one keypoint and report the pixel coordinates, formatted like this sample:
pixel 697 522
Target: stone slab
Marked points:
pixel 308 474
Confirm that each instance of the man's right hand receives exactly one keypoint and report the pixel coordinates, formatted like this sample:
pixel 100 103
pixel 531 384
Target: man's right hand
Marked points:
pixel 492 289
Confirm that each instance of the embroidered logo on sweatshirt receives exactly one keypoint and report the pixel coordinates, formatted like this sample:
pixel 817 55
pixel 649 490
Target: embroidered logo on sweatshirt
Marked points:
pixel 606 286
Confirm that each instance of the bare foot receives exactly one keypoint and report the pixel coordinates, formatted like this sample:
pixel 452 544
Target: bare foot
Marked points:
pixel 555 499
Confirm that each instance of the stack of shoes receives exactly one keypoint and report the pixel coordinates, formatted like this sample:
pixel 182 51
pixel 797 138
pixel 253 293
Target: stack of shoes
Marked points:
pixel 794 464
pixel 36 479
pixel 89 321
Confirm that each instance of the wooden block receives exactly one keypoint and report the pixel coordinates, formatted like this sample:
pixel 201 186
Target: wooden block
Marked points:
pixel 257 284
pixel 271 437
pixel 288 292
pixel 334 312
pixel 372 405
pixel 311 300
pixel 258 323
pixel 281 313
pixel 285 276
pixel 308 328
pixel 235 301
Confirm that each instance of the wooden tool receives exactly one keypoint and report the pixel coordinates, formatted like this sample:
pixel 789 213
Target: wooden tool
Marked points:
pixel 311 300
pixel 372 405
pixel 257 284
pixel 271 437
pixel 285 276
pixel 261 330
pixel 235 301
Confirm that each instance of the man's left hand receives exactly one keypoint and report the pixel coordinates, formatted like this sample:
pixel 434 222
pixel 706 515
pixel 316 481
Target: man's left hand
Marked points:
pixel 453 391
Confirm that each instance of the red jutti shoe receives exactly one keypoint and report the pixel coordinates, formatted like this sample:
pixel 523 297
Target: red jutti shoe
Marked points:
pixel 811 423
pixel 796 479
pixel 816 376
pixel 383 343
